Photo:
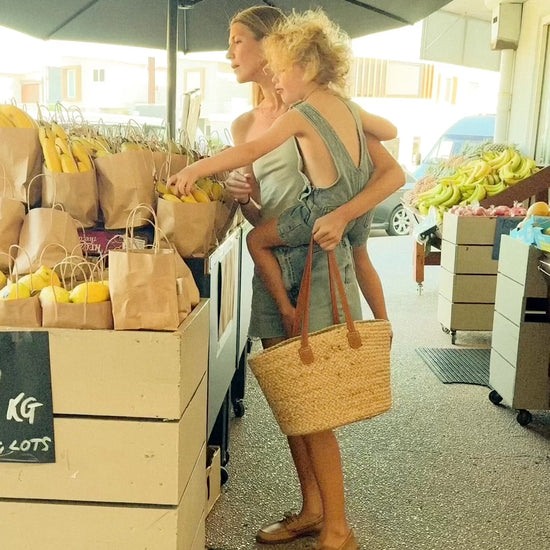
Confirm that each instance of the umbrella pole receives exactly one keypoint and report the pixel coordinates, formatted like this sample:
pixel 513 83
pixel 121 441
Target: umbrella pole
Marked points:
pixel 172 62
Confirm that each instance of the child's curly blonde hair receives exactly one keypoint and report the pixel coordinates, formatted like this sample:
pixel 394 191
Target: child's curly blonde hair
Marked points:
pixel 312 40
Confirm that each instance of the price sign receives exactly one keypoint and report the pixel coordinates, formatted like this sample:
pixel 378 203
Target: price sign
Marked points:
pixel 26 411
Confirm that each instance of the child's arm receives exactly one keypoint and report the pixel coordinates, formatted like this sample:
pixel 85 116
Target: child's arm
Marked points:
pixel 284 127
pixel 381 128
pixel 369 282
pixel 387 178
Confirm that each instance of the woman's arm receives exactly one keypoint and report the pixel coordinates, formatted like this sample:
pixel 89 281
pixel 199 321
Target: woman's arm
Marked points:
pixel 387 178
pixel 377 126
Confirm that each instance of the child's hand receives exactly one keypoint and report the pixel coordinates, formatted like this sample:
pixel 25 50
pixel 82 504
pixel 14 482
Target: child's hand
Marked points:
pixel 328 230
pixel 184 181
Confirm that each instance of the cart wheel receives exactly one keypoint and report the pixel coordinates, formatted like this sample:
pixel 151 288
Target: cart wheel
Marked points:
pixel 524 417
pixel 419 288
pixel 445 330
pixel 238 408
pixel 225 458
pixel 495 398
pixel 453 337
pixel 224 475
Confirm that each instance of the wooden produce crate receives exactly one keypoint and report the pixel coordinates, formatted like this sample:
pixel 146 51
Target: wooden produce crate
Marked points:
pixel 468 273
pixel 130 441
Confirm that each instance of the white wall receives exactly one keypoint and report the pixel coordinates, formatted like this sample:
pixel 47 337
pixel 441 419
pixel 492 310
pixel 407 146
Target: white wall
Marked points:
pixel 527 83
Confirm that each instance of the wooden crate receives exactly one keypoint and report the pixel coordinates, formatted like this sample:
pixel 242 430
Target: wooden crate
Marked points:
pixel 130 417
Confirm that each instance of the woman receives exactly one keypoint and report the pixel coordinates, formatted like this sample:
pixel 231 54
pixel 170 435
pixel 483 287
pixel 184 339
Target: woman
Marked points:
pixel 316 456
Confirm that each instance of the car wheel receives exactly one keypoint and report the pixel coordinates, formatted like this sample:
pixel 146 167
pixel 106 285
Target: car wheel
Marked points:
pixel 400 222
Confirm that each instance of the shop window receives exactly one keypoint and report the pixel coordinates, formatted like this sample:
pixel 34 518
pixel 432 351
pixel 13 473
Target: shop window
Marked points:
pixel 72 84
pixel 542 148
pixel 99 75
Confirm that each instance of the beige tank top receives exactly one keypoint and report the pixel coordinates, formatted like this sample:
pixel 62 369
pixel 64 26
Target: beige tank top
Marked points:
pixel 280 178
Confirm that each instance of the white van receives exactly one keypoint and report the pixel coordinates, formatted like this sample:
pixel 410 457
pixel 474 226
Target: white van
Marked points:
pixel 468 130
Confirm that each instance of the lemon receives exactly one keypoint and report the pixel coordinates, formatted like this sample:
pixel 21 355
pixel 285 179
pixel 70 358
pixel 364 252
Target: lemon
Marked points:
pixel 3 279
pixel 15 291
pixel 49 275
pixel 539 208
pixel 92 292
pixel 54 293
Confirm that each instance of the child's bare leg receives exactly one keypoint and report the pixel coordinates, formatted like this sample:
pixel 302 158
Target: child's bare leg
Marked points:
pixel 260 242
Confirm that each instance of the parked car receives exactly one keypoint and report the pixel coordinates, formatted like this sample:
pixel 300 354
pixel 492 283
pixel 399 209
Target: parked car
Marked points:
pixel 391 215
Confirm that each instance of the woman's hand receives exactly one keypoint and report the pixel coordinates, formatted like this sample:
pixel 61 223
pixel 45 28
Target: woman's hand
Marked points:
pixel 183 181
pixel 328 230
pixel 239 186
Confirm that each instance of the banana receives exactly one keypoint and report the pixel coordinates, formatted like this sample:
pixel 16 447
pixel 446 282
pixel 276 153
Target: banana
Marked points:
pixel 58 131
pixel 171 198
pixel 5 122
pixel 478 195
pixel 514 162
pixel 453 199
pixel 80 156
pixel 205 184
pixel 199 195
pixel 62 145
pixel 493 190
pixel 217 191
pixel 130 146
pixel 18 117
pixel 442 197
pixel 68 164
pixel 51 157
pixel 501 159
pixel 189 199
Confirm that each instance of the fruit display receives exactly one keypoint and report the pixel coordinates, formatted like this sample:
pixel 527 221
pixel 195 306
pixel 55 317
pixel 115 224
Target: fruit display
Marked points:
pixel 206 190
pixel 15 291
pixel 486 172
pixel 35 281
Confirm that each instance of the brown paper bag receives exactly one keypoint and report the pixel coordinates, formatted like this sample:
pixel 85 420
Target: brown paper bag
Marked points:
pixel 195 229
pixel 142 283
pixel 47 235
pixel 77 193
pixel 20 312
pixel 21 157
pixel 94 316
pixel 187 289
pixel 167 164
pixel 12 213
pixel 125 181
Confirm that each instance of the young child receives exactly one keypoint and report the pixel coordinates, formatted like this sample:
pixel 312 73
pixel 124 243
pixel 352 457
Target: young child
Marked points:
pixel 310 58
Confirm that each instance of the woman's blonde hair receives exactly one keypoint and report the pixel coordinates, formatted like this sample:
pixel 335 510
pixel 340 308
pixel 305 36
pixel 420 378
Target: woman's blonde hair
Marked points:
pixel 260 20
pixel 312 40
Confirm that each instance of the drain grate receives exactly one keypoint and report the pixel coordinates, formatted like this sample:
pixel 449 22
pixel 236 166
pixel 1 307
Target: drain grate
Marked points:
pixel 458 366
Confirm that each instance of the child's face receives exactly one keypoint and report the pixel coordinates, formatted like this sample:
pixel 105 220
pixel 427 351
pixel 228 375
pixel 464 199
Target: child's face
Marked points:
pixel 291 84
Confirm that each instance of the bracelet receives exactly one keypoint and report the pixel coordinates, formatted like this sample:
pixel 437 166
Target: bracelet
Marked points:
pixel 243 203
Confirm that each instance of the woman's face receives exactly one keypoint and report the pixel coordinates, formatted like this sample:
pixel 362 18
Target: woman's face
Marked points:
pixel 246 54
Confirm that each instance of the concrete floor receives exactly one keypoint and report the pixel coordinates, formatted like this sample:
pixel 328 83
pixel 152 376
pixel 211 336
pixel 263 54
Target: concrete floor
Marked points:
pixel 444 469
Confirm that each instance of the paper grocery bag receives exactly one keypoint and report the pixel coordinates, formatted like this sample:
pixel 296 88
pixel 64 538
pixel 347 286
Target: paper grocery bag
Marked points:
pixel 142 284
pixel 21 158
pixel 12 214
pixel 167 164
pixel 47 236
pixel 125 180
pixel 195 229
pixel 97 316
pixel 187 289
pixel 77 193
pixel 23 312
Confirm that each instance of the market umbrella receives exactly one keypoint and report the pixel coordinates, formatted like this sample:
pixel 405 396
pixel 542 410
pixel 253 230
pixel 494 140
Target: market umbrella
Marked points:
pixel 188 25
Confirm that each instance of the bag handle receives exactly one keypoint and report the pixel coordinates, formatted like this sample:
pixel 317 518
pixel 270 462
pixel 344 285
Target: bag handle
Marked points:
pixel 303 306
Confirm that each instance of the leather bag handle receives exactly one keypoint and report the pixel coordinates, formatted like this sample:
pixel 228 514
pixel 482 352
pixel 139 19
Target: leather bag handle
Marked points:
pixel 301 321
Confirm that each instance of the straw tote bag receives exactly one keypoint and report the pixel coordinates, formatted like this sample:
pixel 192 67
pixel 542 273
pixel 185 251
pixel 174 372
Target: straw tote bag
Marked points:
pixel 329 378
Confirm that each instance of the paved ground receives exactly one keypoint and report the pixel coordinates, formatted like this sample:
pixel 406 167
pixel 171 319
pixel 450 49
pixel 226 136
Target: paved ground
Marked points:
pixel 444 469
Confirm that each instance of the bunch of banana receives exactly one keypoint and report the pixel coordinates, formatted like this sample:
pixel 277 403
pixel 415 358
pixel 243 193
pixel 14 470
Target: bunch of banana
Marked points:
pixel 14 117
pixel 61 153
pixel 206 190
pixel 488 173
pixel 95 146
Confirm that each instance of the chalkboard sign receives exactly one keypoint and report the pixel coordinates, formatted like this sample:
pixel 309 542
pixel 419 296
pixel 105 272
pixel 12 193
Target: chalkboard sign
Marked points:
pixel 26 412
